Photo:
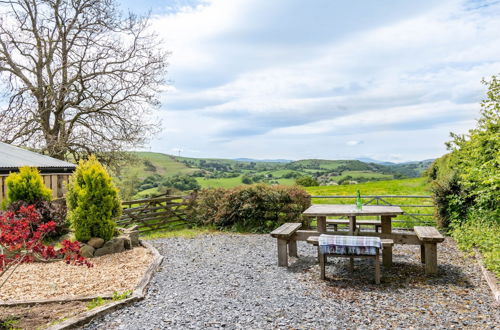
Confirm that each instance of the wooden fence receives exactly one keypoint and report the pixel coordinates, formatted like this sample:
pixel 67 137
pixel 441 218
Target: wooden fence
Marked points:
pixel 56 182
pixel 170 211
pixel 420 212
pixel 156 213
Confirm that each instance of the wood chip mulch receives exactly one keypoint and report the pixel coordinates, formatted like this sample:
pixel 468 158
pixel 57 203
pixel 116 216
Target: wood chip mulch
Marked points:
pixel 118 272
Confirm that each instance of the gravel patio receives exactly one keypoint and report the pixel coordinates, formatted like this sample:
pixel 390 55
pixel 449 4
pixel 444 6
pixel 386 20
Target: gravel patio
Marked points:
pixel 232 281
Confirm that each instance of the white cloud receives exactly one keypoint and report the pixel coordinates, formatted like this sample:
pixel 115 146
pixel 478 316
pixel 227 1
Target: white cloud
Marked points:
pixel 354 142
pixel 243 72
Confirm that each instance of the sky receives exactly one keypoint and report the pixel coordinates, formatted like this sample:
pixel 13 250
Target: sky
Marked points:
pixel 289 79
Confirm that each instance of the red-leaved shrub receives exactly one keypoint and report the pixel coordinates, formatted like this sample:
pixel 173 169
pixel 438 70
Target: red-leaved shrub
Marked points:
pixel 21 241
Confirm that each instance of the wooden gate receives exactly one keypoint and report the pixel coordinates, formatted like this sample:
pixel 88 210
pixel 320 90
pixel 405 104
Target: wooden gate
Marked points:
pixel 156 213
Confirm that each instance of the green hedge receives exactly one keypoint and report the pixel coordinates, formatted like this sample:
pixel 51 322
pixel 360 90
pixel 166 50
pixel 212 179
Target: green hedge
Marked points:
pixel 466 183
pixel 255 208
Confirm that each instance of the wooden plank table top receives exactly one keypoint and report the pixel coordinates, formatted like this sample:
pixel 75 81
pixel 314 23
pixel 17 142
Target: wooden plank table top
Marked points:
pixel 351 210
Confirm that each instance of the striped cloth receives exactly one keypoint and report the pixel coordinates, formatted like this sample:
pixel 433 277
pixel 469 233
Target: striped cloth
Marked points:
pixel 355 245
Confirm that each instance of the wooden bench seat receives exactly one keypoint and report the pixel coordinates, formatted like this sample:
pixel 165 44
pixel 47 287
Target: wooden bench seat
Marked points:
pixel 314 240
pixel 286 241
pixel 428 237
pixel 377 224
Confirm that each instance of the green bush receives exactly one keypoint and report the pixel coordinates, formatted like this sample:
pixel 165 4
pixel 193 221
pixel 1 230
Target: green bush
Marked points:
pixel 466 183
pixel 306 181
pixel 27 185
pixel 93 202
pixel 254 208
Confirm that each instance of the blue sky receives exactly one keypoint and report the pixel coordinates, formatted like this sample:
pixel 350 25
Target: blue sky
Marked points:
pixel 325 79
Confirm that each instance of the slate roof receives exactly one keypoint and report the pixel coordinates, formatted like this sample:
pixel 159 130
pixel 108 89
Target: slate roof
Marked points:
pixel 13 157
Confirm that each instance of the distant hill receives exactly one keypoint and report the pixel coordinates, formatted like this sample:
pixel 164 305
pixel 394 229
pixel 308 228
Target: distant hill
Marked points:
pixel 374 161
pixel 149 172
pixel 263 160
pixel 412 169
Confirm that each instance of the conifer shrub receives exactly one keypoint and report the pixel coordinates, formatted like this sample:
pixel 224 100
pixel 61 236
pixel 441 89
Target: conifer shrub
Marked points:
pixel 93 202
pixel 250 208
pixel 27 185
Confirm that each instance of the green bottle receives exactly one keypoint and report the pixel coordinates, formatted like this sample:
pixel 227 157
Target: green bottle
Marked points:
pixel 359 203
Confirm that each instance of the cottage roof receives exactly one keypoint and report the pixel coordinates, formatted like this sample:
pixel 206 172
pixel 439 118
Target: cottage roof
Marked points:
pixel 12 157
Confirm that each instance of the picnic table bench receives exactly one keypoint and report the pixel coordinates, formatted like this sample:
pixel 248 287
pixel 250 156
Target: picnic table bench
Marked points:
pixel 428 237
pixel 286 241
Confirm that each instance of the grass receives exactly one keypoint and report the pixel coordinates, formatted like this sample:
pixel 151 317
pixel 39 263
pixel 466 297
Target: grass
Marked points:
pixel 417 186
pixel 220 183
pixel 183 232
pixel 99 301
pixel 165 165
pixel 365 174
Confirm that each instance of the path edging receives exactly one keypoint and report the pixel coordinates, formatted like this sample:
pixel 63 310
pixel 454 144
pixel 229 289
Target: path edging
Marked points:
pixel 138 294
pixel 490 278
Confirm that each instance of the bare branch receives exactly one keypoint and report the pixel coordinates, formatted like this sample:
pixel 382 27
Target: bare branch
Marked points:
pixel 81 78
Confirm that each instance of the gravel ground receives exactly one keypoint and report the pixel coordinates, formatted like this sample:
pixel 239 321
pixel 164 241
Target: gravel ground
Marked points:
pixel 233 281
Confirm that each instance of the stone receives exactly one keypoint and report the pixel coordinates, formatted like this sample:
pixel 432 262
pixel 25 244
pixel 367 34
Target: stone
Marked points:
pixel 114 245
pixel 127 243
pixel 96 242
pixel 86 251
pixel 134 238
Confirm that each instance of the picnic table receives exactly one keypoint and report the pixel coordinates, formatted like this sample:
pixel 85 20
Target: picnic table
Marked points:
pixel 386 213
pixel 427 237
pixel 322 211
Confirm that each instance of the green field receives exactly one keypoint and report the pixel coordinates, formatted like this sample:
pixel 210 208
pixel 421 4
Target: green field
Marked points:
pixel 219 183
pixel 416 186
pixel 405 187
pixel 165 165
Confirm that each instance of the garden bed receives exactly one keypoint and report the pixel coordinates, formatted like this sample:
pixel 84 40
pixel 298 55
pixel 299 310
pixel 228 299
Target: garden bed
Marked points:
pixel 118 272
pixel 35 316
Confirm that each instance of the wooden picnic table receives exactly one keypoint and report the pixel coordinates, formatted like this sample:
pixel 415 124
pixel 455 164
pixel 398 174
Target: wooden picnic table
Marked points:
pixel 427 237
pixel 386 213
pixel 322 211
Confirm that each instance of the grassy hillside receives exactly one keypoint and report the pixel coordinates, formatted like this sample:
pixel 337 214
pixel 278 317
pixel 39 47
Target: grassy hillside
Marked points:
pixel 150 174
pixel 157 163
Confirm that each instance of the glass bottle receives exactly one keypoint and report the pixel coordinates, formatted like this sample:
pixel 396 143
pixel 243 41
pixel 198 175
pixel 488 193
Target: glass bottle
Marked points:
pixel 359 203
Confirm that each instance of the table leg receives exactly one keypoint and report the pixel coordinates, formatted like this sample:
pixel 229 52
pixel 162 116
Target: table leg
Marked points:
pixel 352 230
pixel 386 222
pixel 321 222
pixel 322 265
pixel 352 225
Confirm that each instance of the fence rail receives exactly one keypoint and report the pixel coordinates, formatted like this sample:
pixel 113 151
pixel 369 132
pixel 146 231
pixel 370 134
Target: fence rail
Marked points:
pixel 410 218
pixel 169 211
pixel 155 213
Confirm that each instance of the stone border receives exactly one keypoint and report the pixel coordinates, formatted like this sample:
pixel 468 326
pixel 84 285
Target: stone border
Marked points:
pixel 138 294
pixel 490 278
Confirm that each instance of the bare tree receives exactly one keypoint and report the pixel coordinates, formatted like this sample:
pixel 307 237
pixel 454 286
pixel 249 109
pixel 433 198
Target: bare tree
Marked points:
pixel 80 77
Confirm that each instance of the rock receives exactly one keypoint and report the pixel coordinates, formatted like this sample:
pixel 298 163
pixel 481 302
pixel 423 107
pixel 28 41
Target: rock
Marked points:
pixel 96 242
pixel 134 238
pixel 114 245
pixel 87 251
pixel 127 243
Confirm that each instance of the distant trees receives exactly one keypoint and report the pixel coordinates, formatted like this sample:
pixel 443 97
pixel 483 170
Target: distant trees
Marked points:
pixel 306 181
pixel 78 77
pixel 181 182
